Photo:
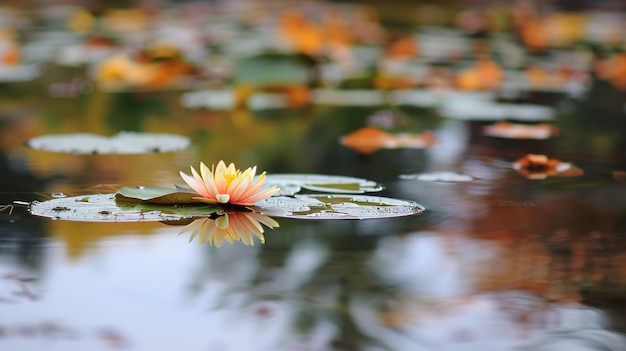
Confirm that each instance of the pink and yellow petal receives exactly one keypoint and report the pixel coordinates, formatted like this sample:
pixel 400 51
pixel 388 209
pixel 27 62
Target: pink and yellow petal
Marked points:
pixel 201 185
pixel 262 195
pixel 192 183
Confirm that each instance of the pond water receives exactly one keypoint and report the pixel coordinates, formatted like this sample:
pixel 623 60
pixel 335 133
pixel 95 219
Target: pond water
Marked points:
pixel 497 261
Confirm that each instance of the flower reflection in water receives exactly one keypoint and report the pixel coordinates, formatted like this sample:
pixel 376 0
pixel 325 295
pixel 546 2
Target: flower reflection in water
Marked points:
pixel 231 226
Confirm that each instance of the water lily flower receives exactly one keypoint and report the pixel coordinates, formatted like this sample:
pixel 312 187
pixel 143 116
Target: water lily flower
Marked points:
pixel 228 185
pixel 230 226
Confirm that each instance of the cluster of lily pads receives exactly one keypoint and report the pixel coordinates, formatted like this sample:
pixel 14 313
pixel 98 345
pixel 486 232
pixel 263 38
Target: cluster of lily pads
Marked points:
pixel 283 65
pixel 224 44
pixel 301 196
pixel 217 207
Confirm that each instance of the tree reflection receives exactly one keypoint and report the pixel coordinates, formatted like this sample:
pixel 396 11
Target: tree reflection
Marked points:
pixel 329 290
pixel 231 226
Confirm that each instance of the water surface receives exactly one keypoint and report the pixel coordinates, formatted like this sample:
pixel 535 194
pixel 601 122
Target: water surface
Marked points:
pixel 502 262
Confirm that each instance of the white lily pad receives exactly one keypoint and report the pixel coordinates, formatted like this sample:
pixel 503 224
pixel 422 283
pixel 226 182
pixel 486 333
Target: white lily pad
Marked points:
pixel 335 206
pixel 291 184
pixel 20 73
pixel 444 177
pixel 121 143
pixel 510 130
pixel 494 111
pixel 104 208
pixel 266 101
pixel 436 98
pixel 210 99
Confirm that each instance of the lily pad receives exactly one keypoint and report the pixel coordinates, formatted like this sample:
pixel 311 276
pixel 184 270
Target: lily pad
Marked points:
pixel 272 69
pixel 291 184
pixel 444 177
pixel 210 99
pixel 104 208
pixel 156 195
pixel 620 176
pixel 505 129
pixel 19 73
pixel 367 140
pixel 494 111
pixel 351 97
pixel 334 206
pixel 121 143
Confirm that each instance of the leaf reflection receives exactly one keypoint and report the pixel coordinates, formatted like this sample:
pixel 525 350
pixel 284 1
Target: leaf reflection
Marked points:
pixel 231 226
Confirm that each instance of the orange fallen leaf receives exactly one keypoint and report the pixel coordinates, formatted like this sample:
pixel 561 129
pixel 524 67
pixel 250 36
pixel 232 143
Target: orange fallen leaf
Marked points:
pixel 534 166
pixel 367 139
pixel 620 176
pixel 370 139
pixel 505 129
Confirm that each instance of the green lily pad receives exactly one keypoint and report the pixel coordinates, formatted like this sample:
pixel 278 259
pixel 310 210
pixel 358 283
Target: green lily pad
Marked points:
pixel 104 208
pixel 334 206
pixel 156 195
pixel 273 69
pixel 291 184
pixel 349 97
pixel 121 143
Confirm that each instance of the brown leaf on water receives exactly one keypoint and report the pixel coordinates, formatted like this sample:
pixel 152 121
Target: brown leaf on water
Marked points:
pixel 506 129
pixel 370 139
pixel 620 176
pixel 535 166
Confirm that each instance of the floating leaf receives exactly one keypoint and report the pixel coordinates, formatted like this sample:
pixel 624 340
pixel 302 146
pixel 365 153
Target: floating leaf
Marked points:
pixel 211 99
pixel 370 139
pixel 333 206
pixel 493 111
pixel 510 130
pixel 291 184
pixel 447 177
pixel 272 69
pixel 435 97
pixel 121 143
pixel 104 208
pixel 268 101
pixel 620 176
pixel 534 166
pixel 157 195
pixel 350 97
pixel 18 73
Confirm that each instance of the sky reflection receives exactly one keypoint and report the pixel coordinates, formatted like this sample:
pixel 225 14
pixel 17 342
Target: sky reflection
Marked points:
pixel 232 298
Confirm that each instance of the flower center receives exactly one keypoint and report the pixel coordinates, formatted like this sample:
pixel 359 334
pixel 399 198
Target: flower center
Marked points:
pixel 229 177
